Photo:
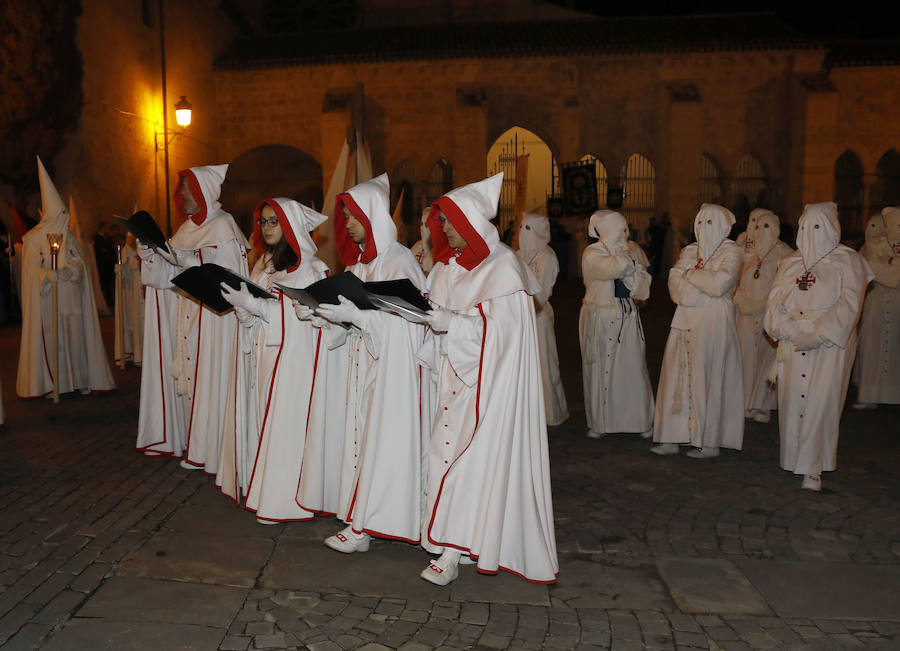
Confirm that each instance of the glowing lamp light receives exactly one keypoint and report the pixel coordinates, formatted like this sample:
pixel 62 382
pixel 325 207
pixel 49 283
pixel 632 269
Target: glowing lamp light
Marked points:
pixel 183 112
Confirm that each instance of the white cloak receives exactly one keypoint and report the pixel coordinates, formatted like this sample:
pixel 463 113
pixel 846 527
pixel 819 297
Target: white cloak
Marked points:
pixel 82 357
pixel 129 309
pixel 879 328
pixel 545 268
pixel 757 350
pixel 700 395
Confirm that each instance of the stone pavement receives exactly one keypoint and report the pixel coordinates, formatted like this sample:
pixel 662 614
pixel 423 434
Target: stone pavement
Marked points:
pixel 102 548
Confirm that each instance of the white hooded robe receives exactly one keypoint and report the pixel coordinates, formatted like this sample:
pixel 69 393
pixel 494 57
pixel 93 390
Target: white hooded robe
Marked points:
pixel 387 415
pixel 700 399
pixel 129 307
pixel 488 463
pixel 879 329
pixel 188 349
pixel 618 396
pixel 535 251
pixel 763 252
pixel 83 364
pixel 812 384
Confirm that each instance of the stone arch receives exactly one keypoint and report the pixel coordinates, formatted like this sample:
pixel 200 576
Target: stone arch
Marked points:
pixel 849 191
pixel 270 171
pixel 886 190
pixel 440 180
pixel 749 187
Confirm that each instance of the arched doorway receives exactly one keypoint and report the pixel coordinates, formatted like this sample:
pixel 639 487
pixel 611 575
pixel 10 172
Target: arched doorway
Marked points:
pixel 848 192
pixel 516 150
pixel 270 171
pixel 638 176
pixel 749 188
pixel 886 191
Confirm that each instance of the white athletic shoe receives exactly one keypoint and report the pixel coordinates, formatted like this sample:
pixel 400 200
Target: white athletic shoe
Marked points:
pixel 348 541
pixel 648 434
pixel 812 482
pixel 437 574
pixel 665 448
pixel 703 453
pixel 188 466
pixel 595 435
pixel 762 417
pixel 865 405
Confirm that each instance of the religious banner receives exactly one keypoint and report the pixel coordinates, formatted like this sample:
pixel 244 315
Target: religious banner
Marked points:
pixel 579 184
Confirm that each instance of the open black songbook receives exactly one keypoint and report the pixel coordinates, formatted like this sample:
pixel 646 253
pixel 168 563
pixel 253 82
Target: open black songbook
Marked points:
pixel 397 296
pixel 142 225
pixel 203 283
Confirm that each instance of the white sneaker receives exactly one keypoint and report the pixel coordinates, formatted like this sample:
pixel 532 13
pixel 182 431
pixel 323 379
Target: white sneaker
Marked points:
pixel 648 434
pixel 264 521
pixel 465 559
pixel 348 541
pixel 812 482
pixel 665 448
pixel 703 453
pixel 437 574
pixel 762 417
pixel 187 465
pixel 595 435
pixel 865 405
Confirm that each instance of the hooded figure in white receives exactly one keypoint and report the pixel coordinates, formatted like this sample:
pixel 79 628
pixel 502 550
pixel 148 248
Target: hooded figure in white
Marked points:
pixel 488 467
pixel 535 251
pixel 700 399
pixel 763 252
pixel 878 359
pixel 388 413
pixel 618 396
pixel 83 365
pixel 812 312
pixel 275 369
pixel 188 349
pixel 129 307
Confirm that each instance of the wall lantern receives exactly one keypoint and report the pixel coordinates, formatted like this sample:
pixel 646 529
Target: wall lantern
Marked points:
pixel 183 112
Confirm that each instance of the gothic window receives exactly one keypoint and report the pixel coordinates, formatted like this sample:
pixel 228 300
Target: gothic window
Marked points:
pixel 638 177
pixel 710 180
pixel 848 191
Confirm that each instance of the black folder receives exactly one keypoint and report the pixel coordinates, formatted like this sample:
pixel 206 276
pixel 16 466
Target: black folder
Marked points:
pixel 203 283
pixel 142 225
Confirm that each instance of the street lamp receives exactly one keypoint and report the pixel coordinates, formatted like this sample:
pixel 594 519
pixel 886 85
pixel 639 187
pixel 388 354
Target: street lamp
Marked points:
pixel 164 137
pixel 183 112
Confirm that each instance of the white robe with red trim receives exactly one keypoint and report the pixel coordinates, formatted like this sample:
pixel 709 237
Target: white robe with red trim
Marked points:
pixel 489 474
pixel 387 417
pixel 187 350
pixel 283 354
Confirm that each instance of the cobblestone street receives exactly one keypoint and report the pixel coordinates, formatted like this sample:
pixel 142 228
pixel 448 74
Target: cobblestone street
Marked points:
pixel 103 548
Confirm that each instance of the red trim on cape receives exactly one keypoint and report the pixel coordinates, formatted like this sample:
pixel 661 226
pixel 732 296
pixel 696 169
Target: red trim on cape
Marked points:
pixel 286 230
pixel 349 251
pixel 196 192
pixel 469 257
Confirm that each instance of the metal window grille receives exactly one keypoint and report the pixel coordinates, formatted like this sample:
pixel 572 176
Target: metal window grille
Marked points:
pixel 886 191
pixel 749 186
pixel 639 181
pixel 710 180
pixel 848 191
pixel 440 180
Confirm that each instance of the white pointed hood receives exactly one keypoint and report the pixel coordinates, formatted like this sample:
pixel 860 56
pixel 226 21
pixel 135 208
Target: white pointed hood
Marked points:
pixel 54 215
pixel 486 268
pixel 818 232
pixel 611 228
pixel 891 227
pixel 534 235
pixel 711 226
pixel 750 233
pixel 296 221
pixel 766 230
pixel 874 228
pixel 370 204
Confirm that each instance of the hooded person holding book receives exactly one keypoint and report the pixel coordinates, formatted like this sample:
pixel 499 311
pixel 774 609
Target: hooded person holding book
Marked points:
pixel 275 368
pixel 188 348
pixel 387 401
pixel 488 497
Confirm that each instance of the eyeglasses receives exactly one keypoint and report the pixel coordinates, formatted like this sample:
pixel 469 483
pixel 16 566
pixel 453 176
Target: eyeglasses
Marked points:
pixel 271 221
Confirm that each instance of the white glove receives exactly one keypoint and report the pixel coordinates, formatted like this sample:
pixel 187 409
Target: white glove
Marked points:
pixel 50 275
pixel 184 259
pixel 344 312
pixel 807 340
pixel 144 252
pixel 306 313
pixel 65 274
pixel 242 315
pixel 239 298
pixel 439 320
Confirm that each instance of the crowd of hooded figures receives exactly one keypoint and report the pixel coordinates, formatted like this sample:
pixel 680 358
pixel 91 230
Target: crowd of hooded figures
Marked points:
pixel 435 433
